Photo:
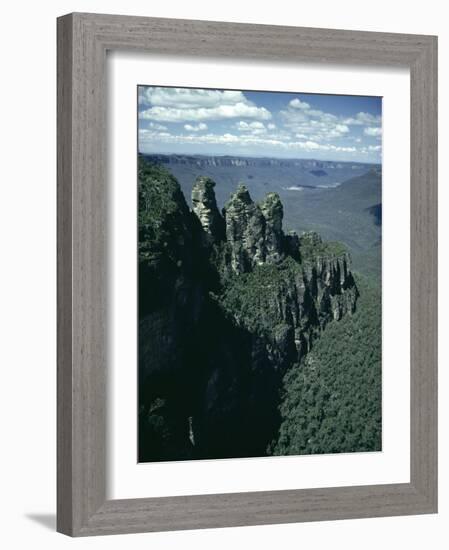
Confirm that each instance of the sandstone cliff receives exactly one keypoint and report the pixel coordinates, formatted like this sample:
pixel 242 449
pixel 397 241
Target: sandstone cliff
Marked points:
pixel 228 303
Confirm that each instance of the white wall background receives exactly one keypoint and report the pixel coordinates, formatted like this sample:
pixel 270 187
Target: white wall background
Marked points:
pixel 27 274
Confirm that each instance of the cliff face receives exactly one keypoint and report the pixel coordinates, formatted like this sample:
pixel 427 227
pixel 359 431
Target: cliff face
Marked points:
pixel 205 208
pixel 228 303
pixel 204 162
pixel 253 231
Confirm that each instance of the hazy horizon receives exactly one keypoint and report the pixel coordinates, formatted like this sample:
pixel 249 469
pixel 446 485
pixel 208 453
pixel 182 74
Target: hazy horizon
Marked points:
pixel 255 156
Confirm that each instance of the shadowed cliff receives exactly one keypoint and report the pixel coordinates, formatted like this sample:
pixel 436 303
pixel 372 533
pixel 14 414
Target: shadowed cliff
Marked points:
pixel 228 304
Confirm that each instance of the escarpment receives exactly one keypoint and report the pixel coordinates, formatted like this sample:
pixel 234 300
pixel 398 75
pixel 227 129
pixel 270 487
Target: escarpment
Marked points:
pixel 228 302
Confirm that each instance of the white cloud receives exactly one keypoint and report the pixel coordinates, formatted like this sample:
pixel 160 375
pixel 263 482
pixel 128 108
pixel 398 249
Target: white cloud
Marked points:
pixel 169 114
pixel 185 105
pixel 247 126
pixel 183 98
pixel 155 126
pixel 314 146
pixel 341 128
pixel 255 127
pixel 362 119
pixel 145 133
pixel 300 128
pixel 312 124
pixel 242 140
pixel 198 128
pixel 298 104
pixel 371 149
pixel 373 131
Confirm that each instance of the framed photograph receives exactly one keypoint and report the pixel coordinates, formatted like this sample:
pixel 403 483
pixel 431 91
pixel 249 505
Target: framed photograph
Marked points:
pixel 247 274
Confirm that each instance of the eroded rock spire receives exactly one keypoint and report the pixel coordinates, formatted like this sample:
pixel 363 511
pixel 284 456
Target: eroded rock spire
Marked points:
pixel 254 231
pixel 273 212
pixel 204 205
pixel 245 231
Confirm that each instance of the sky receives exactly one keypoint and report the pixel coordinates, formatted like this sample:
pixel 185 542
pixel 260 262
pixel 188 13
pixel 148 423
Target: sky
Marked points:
pixel 247 123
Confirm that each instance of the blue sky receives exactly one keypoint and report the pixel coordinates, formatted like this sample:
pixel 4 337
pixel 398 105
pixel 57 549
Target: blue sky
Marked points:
pixel 273 124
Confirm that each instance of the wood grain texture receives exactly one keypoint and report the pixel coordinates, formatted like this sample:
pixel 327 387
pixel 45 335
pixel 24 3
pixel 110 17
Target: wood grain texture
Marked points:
pixel 423 273
pixel 64 277
pixel 83 40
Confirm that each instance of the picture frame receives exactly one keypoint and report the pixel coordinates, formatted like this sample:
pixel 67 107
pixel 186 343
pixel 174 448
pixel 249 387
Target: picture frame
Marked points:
pixel 83 40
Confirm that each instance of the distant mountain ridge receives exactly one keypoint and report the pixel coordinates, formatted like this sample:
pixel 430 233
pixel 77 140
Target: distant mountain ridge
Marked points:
pixel 202 161
pixel 330 197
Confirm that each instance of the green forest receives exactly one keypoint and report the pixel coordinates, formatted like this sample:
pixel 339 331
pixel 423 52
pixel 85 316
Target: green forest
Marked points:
pixel 252 341
pixel 332 400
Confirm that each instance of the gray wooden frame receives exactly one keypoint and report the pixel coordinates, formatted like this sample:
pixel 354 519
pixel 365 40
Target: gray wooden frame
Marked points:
pixel 83 40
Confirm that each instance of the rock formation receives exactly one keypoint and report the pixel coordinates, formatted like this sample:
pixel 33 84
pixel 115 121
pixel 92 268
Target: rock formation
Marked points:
pixel 227 305
pixel 273 213
pixel 253 231
pixel 245 231
pixel 205 207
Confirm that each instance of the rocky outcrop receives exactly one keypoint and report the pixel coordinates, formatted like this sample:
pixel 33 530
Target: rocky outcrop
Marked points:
pixel 335 290
pixel 245 231
pixel 171 297
pixel 273 212
pixel 205 208
pixel 291 245
pixel 227 304
pixel 327 267
pixel 253 231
